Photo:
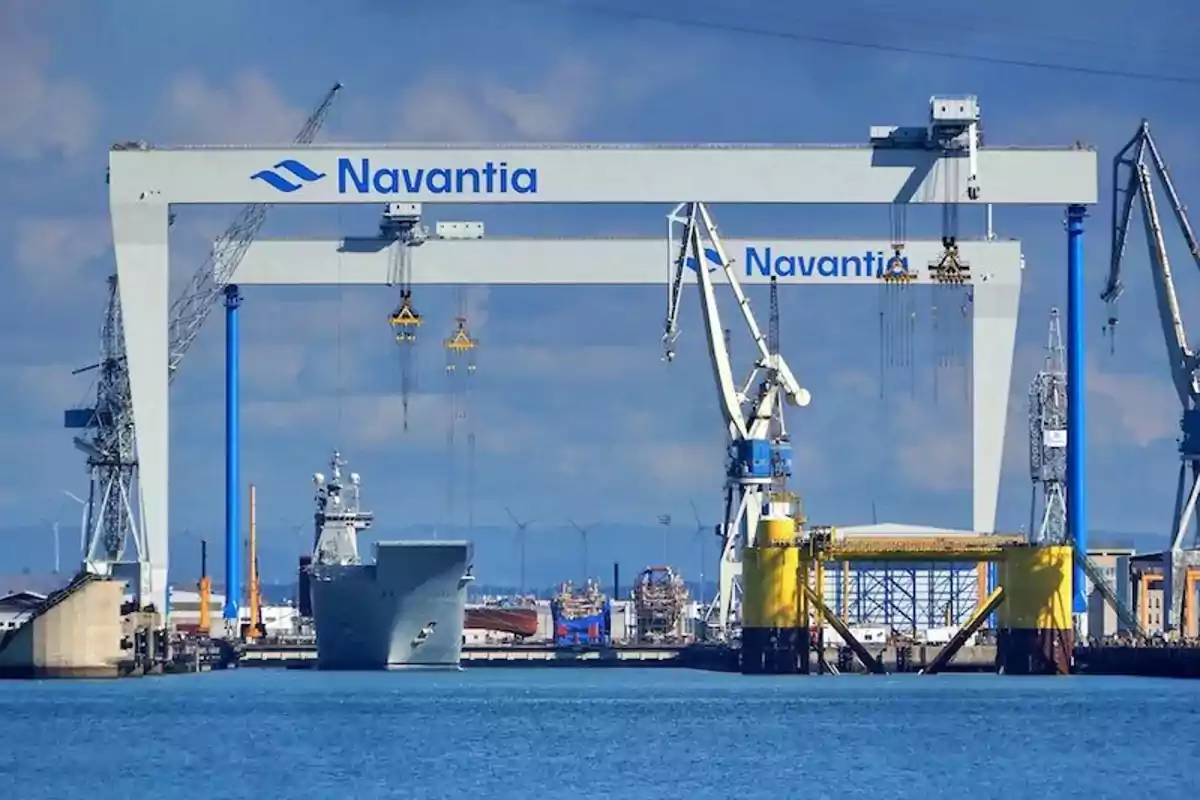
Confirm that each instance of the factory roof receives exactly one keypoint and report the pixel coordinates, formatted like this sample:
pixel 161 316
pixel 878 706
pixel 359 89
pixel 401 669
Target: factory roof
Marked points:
pixel 22 601
pixel 42 583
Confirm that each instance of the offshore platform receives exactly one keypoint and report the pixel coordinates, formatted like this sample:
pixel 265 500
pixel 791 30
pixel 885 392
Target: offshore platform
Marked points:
pixel 782 558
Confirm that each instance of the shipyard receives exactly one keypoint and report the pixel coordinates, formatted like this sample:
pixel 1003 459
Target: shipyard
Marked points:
pixel 791 595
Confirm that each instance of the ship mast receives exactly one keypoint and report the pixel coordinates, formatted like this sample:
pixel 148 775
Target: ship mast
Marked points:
pixel 338 517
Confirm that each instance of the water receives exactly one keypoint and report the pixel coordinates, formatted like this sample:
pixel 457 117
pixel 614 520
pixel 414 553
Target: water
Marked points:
pixel 629 734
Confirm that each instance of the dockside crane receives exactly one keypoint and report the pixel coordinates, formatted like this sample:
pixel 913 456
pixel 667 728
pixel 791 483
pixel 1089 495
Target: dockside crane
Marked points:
pixel 1131 179
pixel 760 453
pixel 1048 443
pixel 114 503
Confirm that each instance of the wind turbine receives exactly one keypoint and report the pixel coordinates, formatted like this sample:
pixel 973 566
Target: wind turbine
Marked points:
pixel 54 529
pixel 583 533
pixel 83 519
pixel 701 530
pixel 521 528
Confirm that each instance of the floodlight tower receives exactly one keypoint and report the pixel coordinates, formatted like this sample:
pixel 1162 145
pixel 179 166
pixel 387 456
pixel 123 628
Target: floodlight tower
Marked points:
pixel 1048 443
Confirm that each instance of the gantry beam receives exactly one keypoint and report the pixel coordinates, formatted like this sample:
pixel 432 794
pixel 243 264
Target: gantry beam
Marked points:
pixel 603 173
pixel 144 182
pixel 614 261
pixel 996 268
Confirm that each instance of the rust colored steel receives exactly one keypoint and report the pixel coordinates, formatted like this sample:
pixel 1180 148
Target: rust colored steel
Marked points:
pixel 518 621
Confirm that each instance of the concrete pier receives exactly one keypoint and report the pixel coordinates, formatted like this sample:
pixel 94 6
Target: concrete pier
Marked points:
pixel 76 633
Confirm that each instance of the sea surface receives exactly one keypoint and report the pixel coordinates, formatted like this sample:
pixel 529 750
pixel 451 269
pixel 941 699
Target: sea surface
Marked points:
pixel 530 734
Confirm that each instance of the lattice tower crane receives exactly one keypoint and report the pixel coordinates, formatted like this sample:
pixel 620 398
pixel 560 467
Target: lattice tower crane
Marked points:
pixel 114 505
pixel 1048 443
pixel 758 462
pixel 1131 178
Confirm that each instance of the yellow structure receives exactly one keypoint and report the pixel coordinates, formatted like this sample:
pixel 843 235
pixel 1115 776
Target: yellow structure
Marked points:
pixel 1036 633
pixel 774 630
pixel 205 591
pixel 254 629
pixel 405 320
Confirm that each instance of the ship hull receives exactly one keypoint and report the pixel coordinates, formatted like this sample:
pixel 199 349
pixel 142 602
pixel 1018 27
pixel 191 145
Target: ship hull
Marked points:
pixel 404 611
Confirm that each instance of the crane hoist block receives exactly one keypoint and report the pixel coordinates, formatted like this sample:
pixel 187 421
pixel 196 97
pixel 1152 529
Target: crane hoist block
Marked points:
pixel 405 317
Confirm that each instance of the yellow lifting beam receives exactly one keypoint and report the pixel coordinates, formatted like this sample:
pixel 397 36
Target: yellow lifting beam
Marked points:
pixel 461 341
pixel 405 320
pixel 950 269
pixel 923 549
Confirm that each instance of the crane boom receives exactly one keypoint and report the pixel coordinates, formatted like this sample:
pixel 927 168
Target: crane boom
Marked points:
pixel 760 451
pixel 1131 176
pixel 202 293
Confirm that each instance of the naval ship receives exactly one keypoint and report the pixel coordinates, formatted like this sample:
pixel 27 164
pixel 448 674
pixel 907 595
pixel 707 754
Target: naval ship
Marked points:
pixel 404 610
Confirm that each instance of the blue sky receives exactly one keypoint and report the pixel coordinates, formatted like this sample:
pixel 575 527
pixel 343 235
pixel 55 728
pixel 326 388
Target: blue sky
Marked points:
pixel 574 413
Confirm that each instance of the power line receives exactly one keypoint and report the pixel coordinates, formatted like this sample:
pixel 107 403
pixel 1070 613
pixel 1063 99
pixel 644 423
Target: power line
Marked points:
pixel 833 41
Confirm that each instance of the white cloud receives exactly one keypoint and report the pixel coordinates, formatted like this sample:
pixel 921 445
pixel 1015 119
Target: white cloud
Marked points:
pixel 577 363
pixel 1131 409
pixel 52 252
pixel 249 110
pixel 41 391
pixel 364 422
pixel 446 105
pixel 40 114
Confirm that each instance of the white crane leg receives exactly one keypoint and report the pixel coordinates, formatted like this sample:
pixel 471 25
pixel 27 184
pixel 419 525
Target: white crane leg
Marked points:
pixel 140 249
pixel 1174 564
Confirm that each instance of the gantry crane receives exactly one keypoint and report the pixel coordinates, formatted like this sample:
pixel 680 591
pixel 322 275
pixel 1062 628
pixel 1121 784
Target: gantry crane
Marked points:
pixel 760 453
pixel 114 503
pixel 1131 177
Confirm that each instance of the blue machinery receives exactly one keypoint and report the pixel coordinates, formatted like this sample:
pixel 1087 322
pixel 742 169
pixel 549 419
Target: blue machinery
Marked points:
pixel 233 455
pixel 1076 406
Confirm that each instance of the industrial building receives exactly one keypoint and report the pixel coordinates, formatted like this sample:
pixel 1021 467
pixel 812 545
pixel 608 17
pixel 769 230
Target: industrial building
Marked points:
pixel 1148 600
pixel 906 598
pixel 276 620
pixel 17 607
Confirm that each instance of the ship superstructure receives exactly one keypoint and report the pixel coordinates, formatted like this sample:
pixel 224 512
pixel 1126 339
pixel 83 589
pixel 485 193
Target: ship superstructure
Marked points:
pixel 338 517
pixel 405 609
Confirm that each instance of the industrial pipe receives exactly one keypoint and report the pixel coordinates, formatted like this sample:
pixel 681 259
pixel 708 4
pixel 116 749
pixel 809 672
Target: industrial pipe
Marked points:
pixel 233 581
pixel 1076 404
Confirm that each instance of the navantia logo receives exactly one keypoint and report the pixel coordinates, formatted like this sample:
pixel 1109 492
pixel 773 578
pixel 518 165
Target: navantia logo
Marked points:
pixel 710 255
pixel 283 176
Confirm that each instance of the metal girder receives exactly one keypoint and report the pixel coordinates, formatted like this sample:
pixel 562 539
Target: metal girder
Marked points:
pixel 618 173
pixel 501 261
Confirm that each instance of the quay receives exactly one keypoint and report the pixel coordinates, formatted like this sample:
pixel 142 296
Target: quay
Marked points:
pixel 705 657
